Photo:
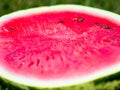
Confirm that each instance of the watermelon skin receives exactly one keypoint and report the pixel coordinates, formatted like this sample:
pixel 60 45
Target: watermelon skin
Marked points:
pixel 110 82
pixel 18 84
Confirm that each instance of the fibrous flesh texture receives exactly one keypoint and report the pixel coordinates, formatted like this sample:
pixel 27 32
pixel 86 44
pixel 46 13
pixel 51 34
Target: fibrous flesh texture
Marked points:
pixel 58 44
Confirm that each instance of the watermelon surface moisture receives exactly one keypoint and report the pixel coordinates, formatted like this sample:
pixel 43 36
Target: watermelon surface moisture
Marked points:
pixel 59 46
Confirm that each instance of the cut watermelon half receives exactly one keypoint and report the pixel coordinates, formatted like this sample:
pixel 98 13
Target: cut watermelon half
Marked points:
pixel 59 45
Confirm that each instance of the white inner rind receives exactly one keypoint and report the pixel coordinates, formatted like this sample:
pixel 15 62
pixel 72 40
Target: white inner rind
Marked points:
pixel 61 82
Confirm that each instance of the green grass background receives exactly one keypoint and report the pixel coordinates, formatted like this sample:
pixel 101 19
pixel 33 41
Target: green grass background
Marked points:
pixel 7 6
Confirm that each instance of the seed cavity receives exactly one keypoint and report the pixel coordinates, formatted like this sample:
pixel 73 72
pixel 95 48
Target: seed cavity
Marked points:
pixel 80 19
pixel 5 29
pixel 8 29
pixel 38 62
pixel 31 64
pixel 11 28
pixel 61 21
pixel 105 26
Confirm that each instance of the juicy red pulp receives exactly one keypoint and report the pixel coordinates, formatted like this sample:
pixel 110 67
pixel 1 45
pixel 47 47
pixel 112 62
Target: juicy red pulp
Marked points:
pixel 60 44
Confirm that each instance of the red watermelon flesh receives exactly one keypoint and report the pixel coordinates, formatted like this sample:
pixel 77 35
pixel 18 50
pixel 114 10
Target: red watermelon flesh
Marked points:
pixel 59 44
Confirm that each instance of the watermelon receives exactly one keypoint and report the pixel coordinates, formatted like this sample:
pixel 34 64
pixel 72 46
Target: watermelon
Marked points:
pixel 58 46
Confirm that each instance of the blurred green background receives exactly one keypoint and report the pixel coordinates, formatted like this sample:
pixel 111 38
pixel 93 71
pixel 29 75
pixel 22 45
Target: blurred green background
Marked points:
pixel 7 6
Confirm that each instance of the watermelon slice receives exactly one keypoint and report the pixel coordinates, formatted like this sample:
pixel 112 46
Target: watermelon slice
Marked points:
pixel 59 45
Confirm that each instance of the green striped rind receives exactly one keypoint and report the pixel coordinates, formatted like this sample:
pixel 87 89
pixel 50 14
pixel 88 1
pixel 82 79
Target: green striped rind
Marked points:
pixel 111 82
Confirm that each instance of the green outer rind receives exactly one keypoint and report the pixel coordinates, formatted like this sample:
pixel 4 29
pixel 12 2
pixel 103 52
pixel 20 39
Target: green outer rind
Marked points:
pixel 111 82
